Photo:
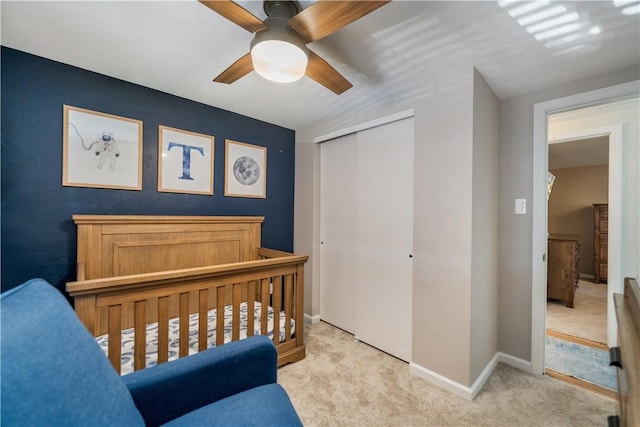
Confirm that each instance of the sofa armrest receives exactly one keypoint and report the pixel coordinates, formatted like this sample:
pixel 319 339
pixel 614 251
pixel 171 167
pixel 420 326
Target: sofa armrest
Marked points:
pixel 169 390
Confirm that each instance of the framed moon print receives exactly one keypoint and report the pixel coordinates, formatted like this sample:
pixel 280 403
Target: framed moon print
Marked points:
pixel 245 170
pixel 185 161
pixel 101 150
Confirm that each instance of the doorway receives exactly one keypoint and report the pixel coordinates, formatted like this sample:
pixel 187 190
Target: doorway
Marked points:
pixel 539 211
pixel 576 309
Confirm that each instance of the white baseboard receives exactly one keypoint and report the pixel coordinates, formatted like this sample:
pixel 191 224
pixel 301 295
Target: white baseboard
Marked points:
pixel 469 393
pixel 484 376
pixel 311 320
pixel 516 362
pixel 440 381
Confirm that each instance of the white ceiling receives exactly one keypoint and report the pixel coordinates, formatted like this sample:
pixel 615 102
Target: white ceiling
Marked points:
pixel 403 51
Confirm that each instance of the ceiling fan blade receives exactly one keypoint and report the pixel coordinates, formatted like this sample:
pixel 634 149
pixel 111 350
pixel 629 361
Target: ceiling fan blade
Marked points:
pixel 236 14
pixel 326 17
pixel 237 70
pixel 319 70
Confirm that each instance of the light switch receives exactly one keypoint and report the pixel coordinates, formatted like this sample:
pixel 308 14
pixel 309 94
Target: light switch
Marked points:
pixel 520 207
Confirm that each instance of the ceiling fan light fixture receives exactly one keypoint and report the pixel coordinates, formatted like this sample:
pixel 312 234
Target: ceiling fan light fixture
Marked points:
pixel 278 53
pixel 279 61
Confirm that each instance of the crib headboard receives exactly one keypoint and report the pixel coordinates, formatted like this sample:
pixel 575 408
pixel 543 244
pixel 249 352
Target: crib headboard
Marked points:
pixel 119 245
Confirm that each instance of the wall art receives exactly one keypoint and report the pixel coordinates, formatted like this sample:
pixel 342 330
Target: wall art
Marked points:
pixel 101 150
pixel 245 170
pixel 185 161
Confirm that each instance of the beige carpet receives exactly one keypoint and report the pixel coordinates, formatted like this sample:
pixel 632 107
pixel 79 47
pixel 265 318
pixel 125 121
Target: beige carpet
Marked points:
pixel 346 383
pixel 588 318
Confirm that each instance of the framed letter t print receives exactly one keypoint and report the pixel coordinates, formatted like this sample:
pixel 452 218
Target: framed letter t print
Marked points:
pixel 185 161
pixel 245 170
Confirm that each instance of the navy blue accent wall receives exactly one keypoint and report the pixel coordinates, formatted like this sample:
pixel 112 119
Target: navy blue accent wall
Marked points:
pixel 38 235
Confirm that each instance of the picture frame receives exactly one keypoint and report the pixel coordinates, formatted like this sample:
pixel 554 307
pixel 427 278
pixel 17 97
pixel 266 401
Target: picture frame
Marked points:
pixel 185 161
pixel 101 150
pixel 245 170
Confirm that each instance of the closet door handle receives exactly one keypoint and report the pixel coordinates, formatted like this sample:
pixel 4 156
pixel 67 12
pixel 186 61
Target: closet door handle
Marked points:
pixel 410 255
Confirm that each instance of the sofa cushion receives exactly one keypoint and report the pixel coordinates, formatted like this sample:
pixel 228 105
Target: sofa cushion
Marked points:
pixel 267 405
pixel 53 372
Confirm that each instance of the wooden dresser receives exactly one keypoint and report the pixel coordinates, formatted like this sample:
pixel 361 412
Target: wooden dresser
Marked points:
pixel 600 240
pixel 626 357
pixel 562 267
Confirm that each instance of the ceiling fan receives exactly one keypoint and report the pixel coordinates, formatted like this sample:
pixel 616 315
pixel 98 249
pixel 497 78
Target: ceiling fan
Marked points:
pixel 278 50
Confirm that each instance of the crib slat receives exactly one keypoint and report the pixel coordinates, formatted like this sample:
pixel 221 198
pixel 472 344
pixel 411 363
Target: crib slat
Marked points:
pixel 140 335
pixel 203 319
pixel 299 305
pixel 288 291
pixel 235 322
pixel 220 316
pixel 163 329
pixel 251 308
pixel 277 290
pixel 264 288
pixel 277 300
pixel 115 336
pixel 184 325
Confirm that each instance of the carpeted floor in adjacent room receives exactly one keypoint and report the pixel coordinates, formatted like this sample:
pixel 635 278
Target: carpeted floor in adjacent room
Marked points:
pixel 342 382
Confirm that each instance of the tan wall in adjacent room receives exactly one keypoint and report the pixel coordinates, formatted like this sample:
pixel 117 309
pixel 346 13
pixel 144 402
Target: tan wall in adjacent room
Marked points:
pixel 571 206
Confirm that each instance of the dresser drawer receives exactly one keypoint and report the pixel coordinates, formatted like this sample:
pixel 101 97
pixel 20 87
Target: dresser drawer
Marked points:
pixel 604 212
pixel 603 271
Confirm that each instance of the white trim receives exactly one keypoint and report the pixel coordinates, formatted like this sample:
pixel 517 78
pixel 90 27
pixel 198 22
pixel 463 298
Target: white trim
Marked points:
pixel 468 393
pixel 516 362
pixel 311 320
pixel 539 239
pixel 366 125
pixel 441 381
pixel 539 210
pixel 484 376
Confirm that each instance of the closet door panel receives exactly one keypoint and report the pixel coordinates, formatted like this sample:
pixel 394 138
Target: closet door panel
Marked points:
pixel 384 237
pixel 337 232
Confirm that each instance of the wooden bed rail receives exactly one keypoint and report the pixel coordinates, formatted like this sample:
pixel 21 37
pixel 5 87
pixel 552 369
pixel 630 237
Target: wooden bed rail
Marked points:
pixel 110 305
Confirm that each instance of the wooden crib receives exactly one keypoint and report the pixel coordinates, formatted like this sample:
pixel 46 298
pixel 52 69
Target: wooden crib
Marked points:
pixel 138 274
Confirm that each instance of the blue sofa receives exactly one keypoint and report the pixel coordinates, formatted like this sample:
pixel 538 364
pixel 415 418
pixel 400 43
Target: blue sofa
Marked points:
pixel 54 373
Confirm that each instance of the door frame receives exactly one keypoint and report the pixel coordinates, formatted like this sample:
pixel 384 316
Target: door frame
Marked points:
pixel 614 263
pixel 540 214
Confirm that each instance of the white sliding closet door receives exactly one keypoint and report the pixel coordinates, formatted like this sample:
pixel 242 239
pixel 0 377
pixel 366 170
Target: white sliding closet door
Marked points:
pixel 366 229
pixel 338 232
pixel 384 237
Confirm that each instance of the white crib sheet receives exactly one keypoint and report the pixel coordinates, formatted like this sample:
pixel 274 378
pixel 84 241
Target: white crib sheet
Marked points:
pixel 174 337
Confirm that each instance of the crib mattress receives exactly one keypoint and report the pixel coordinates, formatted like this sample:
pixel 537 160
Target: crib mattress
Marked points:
pixel 174 338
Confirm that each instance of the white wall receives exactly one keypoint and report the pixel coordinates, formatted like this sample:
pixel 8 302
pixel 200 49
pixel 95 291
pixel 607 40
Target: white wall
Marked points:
pixel 516 181
pixel 444 292
pixel 452 194
pixel 442 233
pixel 484 264
pixel 307 194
